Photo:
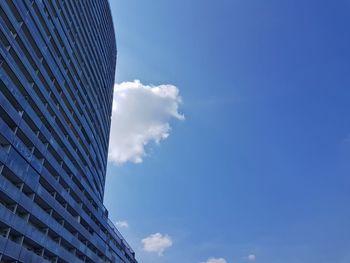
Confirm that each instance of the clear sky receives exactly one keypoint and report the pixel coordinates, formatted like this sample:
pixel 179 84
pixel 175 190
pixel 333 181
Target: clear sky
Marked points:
pixel 258 168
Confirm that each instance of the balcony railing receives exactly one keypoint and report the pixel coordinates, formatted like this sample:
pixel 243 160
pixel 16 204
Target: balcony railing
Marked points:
pixel 120 236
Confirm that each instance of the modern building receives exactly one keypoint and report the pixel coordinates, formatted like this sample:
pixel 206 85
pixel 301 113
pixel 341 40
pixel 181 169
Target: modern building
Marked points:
pixel 57 64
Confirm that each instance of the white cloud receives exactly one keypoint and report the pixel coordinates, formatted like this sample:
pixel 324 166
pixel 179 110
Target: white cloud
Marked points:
pixel 122 224
pixel 215 260
pixel 251 257
pixel 157 243
pixel 140 115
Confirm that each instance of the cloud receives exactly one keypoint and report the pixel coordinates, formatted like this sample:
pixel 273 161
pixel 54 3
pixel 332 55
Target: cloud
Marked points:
pixel 251 257
pixel 157 243
pixel 141 115
pixel 215 260
pixel 122 224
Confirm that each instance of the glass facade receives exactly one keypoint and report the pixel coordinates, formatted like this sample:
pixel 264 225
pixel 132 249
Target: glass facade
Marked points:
pixel 57 64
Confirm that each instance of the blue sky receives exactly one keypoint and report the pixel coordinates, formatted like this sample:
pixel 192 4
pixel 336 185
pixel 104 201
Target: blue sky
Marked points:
pixel 260 163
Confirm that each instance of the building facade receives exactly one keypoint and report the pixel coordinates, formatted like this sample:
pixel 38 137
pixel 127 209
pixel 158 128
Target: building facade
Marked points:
pixel 57 64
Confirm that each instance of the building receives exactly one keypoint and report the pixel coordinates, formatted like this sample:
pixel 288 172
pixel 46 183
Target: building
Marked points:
pixel 57 64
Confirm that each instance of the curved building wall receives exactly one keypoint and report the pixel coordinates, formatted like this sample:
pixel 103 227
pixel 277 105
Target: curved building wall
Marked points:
pixel 57 64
